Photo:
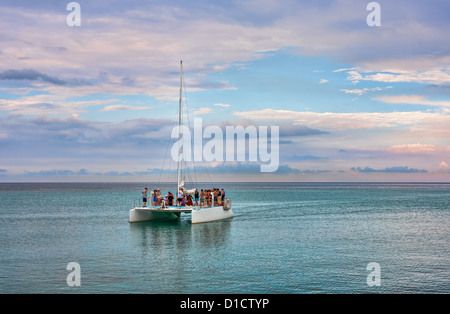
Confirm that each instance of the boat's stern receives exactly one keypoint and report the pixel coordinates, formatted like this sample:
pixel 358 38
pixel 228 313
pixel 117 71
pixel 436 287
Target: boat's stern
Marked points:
pixel 139 214
pixel 211 214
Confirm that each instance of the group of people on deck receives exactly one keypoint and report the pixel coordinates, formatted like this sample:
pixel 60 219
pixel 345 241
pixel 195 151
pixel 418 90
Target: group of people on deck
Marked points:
pixel 204 198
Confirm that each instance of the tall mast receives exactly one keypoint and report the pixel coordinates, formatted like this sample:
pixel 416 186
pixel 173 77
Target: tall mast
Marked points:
pixel 179 126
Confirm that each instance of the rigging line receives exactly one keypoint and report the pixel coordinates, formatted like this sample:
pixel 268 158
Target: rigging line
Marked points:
pixel 164 164
pixel 207 172
pixel 170 170
pixel 165 156
pixel 195 173
pixel 188 175
pixel 189 126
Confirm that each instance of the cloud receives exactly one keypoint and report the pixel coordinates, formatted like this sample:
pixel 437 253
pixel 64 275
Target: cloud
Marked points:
pixel 307 157
pixel 109 149
pixel 126 32
pixel 354 76
pixel 203 111
pixel 361 92
pixel 53 75
pixel 84 172
pixel 293 130
pixel 287 130
pixel 412 100
pixel 389 170
pixel 57 173
pixel 418 148
pixel 344 70
pixel 124 107
pixel 229 168
pixel 242 168
pixel 222 105
pixel 29 74
pixel 49 104
pixel 349 121
pixel 73 138
pixel 443 166
pixel 253 168
pixel 323 81
pixel 431 76
pixel 33 75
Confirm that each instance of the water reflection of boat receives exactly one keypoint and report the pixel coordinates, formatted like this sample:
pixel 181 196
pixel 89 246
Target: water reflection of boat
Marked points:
pixel 162 237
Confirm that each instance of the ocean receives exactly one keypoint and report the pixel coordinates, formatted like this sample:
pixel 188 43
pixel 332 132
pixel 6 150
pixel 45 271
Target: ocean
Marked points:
pixel 284 238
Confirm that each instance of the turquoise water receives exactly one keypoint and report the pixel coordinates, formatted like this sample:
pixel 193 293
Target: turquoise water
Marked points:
pixel 284 238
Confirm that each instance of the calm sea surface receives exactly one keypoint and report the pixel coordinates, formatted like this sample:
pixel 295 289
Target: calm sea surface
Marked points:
pixel 284 238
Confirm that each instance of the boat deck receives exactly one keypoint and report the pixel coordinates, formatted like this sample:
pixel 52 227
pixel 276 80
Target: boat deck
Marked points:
pixel 170 209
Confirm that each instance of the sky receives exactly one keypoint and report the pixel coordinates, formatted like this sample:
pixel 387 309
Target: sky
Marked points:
pixel 353 102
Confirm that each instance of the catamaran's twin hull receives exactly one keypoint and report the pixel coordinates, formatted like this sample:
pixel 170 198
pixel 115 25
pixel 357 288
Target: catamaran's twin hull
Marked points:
pixel 198 215
pixel 210 214
pixel 207 214
pixel 139 214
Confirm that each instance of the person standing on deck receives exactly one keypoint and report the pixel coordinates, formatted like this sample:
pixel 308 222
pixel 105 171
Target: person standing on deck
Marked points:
pixel 216 194
pixel 170 199
pixel 144 196
pixel 180 197
pixel 202 198
pixel 196 197
pixel 155 198
pixel 219 195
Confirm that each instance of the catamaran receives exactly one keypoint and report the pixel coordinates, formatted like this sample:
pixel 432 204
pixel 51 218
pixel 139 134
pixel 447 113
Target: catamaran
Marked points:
pixel 199 214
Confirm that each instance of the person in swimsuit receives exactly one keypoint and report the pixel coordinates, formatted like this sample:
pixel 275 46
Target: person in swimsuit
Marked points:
pixel 215 196
pixel 158 197
pixel 202 198
pixel 155 198
pixel 196 197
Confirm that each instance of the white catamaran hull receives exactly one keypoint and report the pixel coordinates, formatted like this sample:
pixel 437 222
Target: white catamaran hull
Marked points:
pixel 210 214
pixel 139 214
pixel 207 214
